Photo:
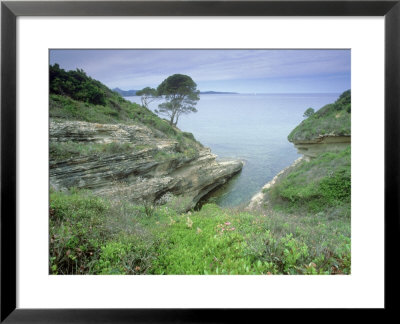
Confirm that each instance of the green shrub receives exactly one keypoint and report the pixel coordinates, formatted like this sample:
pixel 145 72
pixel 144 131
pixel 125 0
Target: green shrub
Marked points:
pixel 111 256
pixel 315 186
pixel 331 119
pixel 189 135
pixel 76 96
pixel 218 241
pixel 77 85
pixel 65 150
pixel 76 232
pixel 89 235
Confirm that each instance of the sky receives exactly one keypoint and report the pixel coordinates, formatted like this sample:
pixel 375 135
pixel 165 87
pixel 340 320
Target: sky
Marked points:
pixel 243 71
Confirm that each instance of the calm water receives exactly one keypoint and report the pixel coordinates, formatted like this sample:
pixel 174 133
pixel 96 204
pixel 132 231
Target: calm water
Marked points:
pixel 253 128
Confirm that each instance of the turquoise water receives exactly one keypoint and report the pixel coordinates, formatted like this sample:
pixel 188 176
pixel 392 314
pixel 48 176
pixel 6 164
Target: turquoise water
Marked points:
pixel 252 128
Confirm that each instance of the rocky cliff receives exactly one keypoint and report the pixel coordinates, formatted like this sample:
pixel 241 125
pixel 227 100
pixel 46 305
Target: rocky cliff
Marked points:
pixel 313 147
pixel 133 161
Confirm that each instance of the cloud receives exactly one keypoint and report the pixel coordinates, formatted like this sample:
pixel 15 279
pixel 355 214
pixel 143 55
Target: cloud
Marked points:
pixel 140 68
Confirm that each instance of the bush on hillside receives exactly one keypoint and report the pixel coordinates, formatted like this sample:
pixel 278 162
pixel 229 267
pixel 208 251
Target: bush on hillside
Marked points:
pixel 332 119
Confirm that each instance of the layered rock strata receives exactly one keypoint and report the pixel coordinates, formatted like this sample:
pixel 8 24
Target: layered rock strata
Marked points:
pixel 151 168
pixel 326 143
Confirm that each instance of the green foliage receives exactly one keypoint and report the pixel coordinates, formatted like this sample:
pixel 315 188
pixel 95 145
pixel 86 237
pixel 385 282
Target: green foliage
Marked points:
pixel 128 255
pixel 186 149
pixel 110 258
pixel 333 119
pixel 181 95
pixel 188 135
pixel 62 107
pixel 197 244
pixel 65 150
pixel 89 235
pixel 178 204
pixel 309 112
pixel 76 96
pixel 187 145
pixel 72 97
pixel 147 91
pixel 148 95
pixel 317 185
pixel 76 232
pixel 77 85
pixel 218 241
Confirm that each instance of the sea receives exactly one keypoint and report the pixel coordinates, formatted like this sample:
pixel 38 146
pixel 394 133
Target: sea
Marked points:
pixel 252 128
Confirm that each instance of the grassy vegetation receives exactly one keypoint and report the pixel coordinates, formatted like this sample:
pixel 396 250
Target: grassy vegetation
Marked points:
pixel 322 184
pixel 89 235
pixel 334 119
pixel 116 110
pixel 60 151
pixel 72 96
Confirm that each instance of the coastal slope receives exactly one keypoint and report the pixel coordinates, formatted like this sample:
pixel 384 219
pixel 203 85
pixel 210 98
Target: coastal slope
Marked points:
pixel 319 181
pixel 326 130
pixel 101 142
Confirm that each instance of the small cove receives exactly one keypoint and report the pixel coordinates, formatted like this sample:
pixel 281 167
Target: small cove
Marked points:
pixel 252 128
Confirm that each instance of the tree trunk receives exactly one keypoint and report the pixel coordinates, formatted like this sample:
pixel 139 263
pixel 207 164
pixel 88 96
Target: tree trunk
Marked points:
pixel 176 120
pixel 171 122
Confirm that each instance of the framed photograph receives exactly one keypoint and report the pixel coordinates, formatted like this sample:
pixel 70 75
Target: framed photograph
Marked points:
pixel 111 116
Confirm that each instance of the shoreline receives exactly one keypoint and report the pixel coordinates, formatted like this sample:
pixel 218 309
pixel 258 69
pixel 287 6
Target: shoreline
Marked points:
pixel 256 200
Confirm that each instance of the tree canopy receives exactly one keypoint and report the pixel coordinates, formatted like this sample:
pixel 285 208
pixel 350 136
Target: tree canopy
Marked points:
pixel 148 95
pixel 181 96
pixel 309 112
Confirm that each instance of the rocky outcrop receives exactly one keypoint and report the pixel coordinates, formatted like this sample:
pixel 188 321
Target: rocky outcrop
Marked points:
pixel 151 168
pixel 84 132
pixel 326 143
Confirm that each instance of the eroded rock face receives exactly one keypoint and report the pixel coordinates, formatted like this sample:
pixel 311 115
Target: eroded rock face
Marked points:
pixel 80 131
pixel 312 148
pixel 136 174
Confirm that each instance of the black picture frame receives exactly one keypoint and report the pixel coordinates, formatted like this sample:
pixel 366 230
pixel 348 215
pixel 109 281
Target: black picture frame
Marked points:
pixel 10 10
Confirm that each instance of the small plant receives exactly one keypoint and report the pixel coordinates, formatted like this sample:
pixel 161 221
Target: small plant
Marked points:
pixel 309 112
pixel 66 150
pixel 189 222
pixel 148 207
pixel 179 204
pixel 293 253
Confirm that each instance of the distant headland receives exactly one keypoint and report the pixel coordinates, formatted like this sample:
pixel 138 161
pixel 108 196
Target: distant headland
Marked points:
pixel 128 93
